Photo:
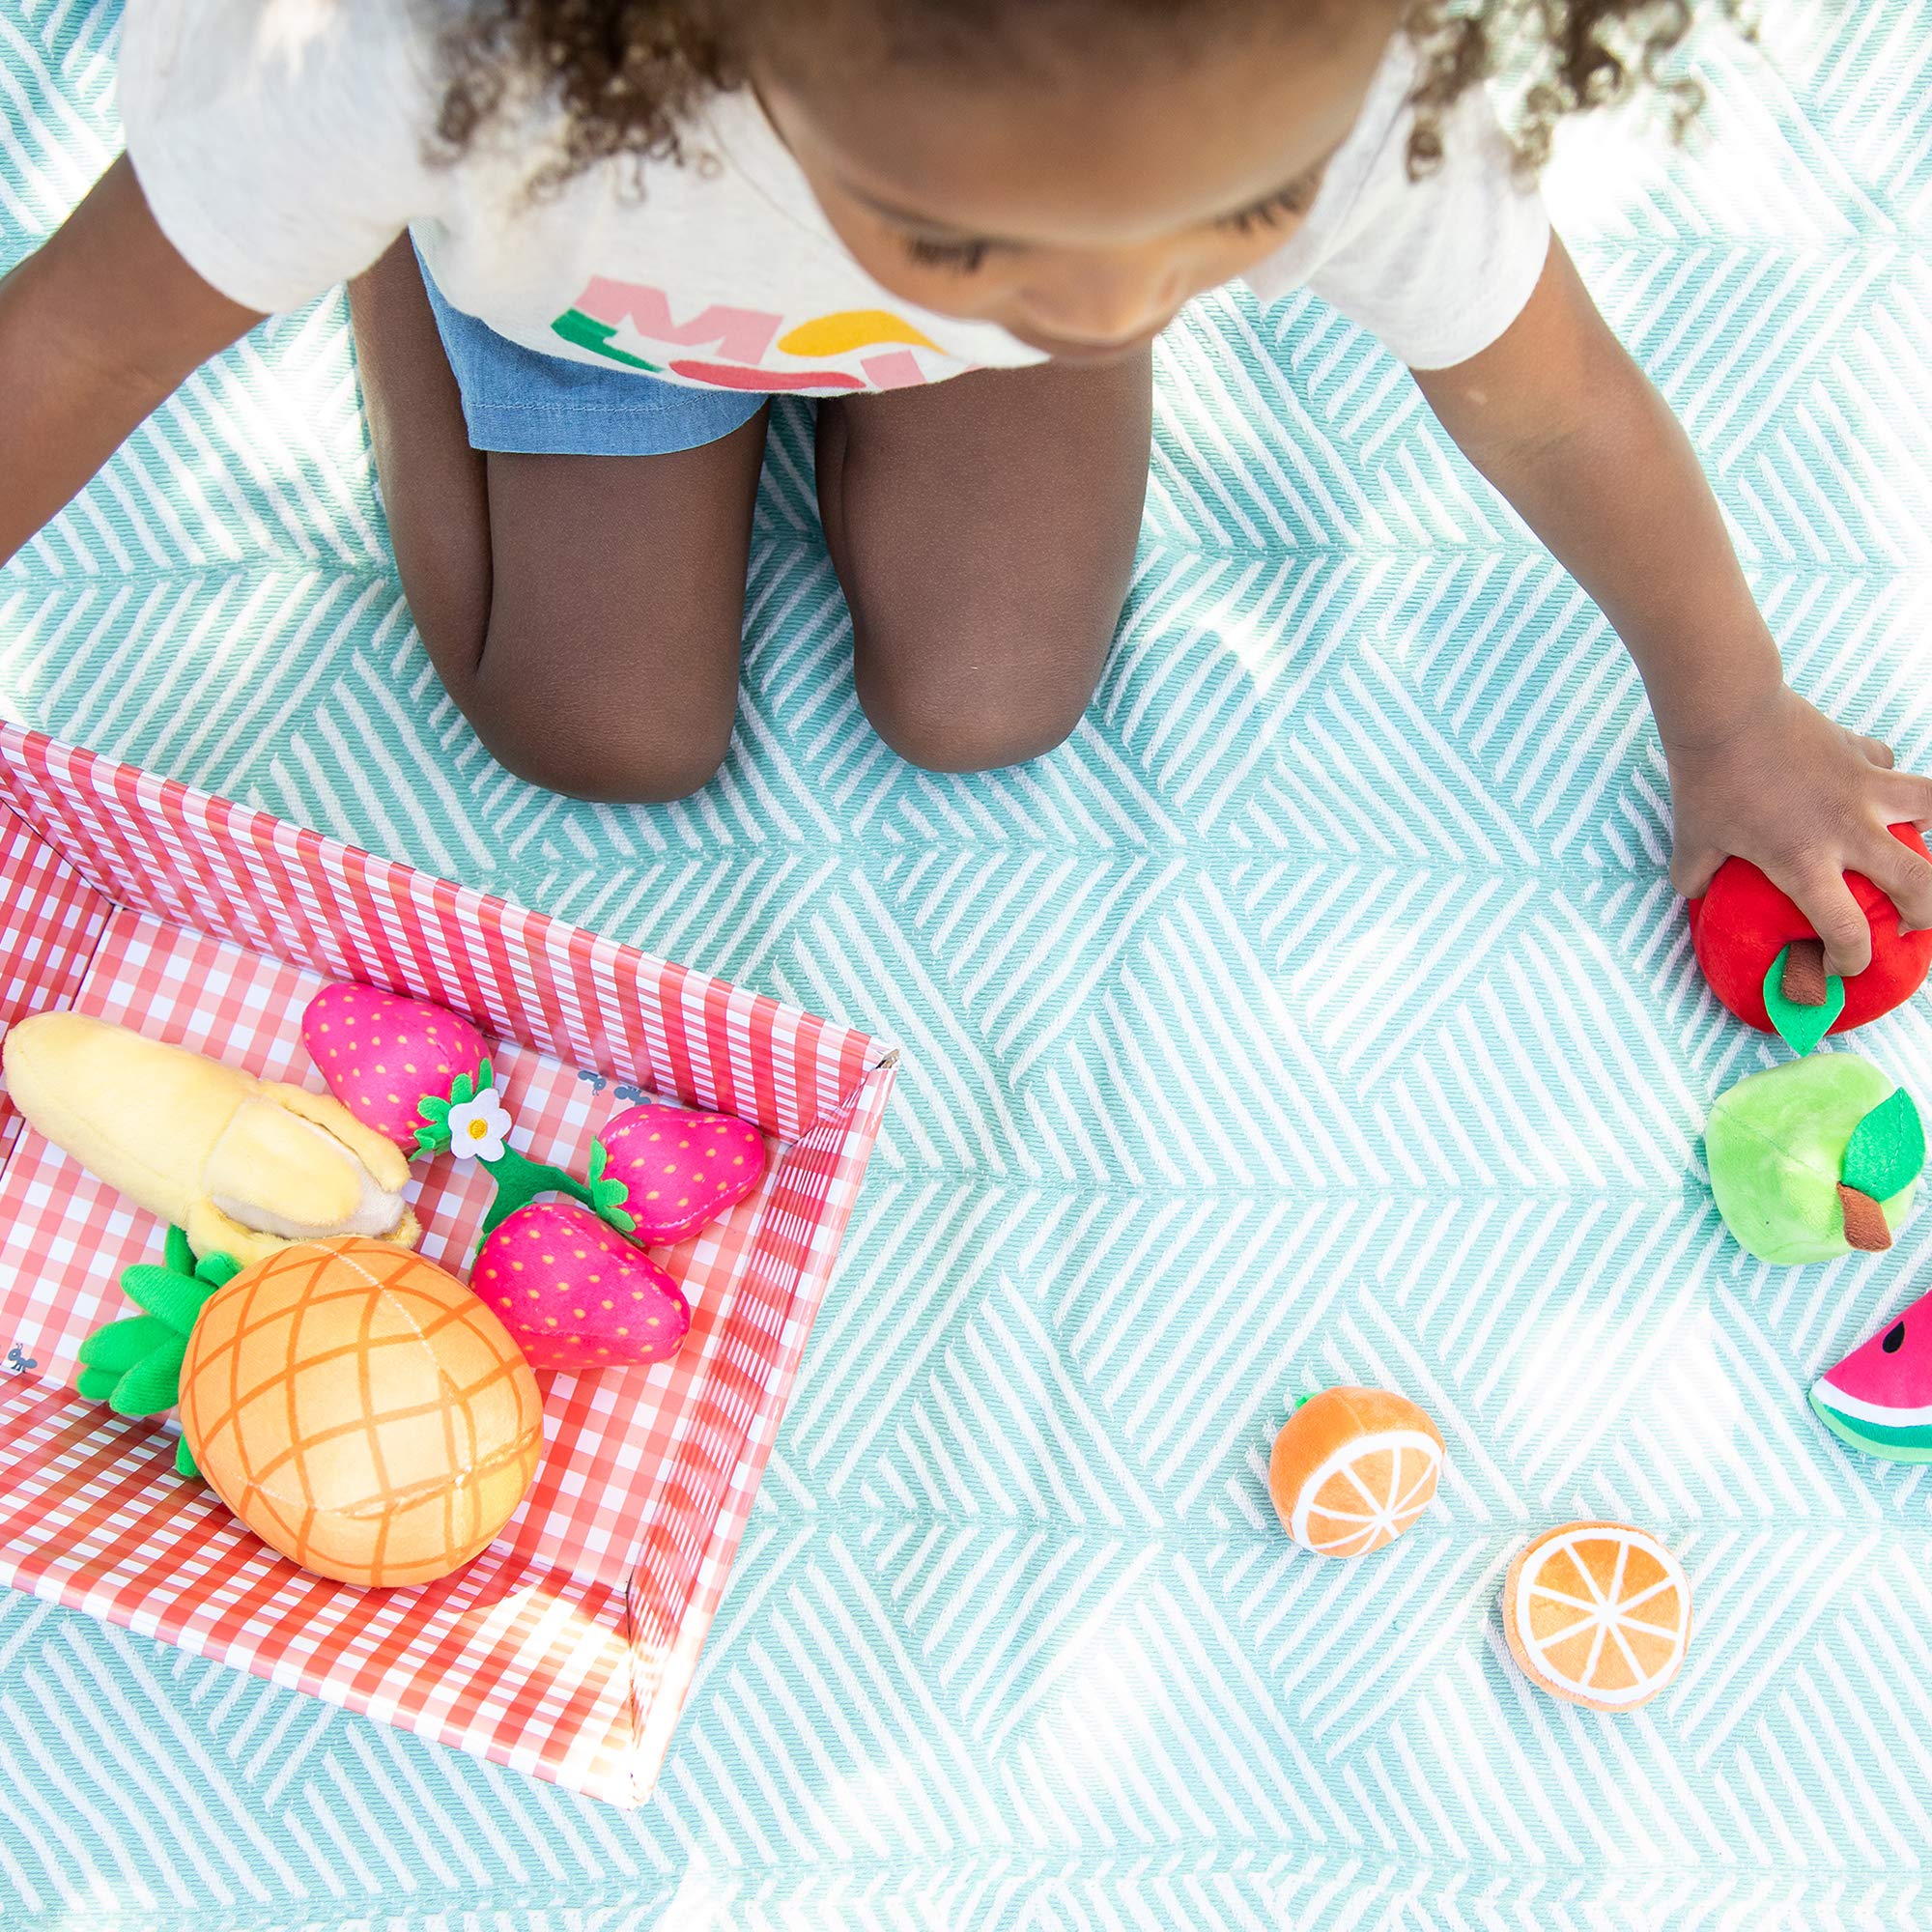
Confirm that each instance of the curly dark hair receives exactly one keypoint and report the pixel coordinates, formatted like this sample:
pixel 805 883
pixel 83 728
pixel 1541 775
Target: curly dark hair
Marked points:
pixel 629 74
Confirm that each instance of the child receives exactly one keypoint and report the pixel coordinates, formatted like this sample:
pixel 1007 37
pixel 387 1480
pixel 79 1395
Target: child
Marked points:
pixel 591 238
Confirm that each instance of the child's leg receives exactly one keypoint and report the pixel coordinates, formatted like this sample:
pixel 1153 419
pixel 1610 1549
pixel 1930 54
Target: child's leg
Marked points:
pixel 983 529
pixel 582 611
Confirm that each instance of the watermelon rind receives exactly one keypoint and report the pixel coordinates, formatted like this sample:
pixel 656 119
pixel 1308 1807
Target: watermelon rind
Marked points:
pixel 1898 1441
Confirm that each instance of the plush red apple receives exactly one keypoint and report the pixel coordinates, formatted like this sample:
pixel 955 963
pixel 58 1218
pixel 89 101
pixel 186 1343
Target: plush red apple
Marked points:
pixel 679 1169
pixel 1743 922
pixel 382 1054
pixel 574 1294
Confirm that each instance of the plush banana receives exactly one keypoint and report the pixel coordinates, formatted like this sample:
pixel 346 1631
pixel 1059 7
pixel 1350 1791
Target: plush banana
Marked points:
pixel 242 1166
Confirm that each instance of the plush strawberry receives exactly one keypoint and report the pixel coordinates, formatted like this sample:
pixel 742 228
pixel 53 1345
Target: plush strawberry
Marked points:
pixel 575 1294
pixel 679 1170
pixel 382 1055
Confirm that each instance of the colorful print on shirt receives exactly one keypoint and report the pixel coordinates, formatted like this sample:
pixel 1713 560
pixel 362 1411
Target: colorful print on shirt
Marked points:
pixel 631 323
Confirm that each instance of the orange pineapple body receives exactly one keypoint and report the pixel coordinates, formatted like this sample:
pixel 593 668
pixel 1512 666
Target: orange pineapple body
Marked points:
pixel 360 1411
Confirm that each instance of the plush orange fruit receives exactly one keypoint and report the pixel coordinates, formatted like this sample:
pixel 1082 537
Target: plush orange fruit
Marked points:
pixel 360 1411
pixel 1598 1613
pixel 1352 1468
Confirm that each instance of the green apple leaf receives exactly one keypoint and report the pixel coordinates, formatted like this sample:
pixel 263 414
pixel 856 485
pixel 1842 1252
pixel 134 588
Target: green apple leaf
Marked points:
pixel 1887 1150
pixel 1801 1028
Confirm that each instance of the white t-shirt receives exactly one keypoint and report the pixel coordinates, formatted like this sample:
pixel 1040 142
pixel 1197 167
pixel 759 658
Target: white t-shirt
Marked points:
pixel 282 145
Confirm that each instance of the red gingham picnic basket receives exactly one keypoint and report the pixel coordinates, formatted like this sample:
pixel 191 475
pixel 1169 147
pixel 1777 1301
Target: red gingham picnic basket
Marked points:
pixel 566 1649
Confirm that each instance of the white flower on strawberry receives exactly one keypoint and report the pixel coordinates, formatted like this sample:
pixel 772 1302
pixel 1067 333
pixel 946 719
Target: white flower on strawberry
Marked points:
pixel 476 1128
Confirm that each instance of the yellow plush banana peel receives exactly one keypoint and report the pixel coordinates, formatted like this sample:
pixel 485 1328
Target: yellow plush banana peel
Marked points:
pixel 242 1166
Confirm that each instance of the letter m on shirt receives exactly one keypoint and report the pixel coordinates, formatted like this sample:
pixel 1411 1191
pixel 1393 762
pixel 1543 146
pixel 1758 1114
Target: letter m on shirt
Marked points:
pixel 735 334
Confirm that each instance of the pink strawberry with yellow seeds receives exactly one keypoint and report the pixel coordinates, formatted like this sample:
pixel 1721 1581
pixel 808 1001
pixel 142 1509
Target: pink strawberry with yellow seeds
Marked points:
pixel 382 1054
pixel 574 1294
pixel 680 1170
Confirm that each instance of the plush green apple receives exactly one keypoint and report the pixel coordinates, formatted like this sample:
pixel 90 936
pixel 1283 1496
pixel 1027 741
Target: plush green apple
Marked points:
pixel 1815 1159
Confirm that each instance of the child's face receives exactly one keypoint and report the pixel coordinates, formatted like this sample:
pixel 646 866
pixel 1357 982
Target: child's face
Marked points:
pixel 1080 214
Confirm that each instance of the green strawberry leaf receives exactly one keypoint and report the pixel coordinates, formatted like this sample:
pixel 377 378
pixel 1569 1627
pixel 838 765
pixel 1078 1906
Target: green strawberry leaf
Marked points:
pixel 463 1088
pixel 431 1108
pixel 98 1384
pixel 116 1346
pixel 185 1462
pixel 600 1159
pixel 1801 1028
pixel 432 1140
pixel 152 1384
pixel 485 1077
pixel 606 1203
pixel 1886 1151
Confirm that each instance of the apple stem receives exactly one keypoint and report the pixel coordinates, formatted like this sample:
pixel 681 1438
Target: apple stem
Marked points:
pixel 1866 1226
pixel 1805 981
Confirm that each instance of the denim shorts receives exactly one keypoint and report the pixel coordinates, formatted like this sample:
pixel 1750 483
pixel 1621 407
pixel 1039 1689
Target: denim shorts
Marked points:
pixel 516 399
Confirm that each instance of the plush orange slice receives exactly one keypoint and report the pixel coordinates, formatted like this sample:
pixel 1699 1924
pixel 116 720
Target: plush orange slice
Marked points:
pixel 1598 1613
pixel 1352 1468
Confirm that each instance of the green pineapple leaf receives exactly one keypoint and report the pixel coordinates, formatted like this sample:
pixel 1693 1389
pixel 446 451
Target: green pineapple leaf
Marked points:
pixel 185 1462
pixel 177 1254
pixel 98 1384
pixel 1887 1150
pixel 216 1269
pixel 168 1296
pixel 116 1346
pixel 1801 1028
pixel 153 1384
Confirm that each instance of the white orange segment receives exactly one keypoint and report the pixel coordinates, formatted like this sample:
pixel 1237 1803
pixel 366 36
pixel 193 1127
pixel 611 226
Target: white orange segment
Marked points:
pixel 1352 1468
pixel 1598 1613
pixel 1367 1493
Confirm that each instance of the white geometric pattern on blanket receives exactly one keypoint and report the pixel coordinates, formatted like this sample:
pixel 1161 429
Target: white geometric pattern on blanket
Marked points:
pixel 1319 1013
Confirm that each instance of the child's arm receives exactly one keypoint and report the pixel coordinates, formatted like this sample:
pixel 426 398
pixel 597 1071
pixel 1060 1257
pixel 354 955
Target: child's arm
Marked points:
pixel 96 329
pixel 1560 420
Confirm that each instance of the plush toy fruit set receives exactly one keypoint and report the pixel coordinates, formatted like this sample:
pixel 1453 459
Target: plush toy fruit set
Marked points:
pixel 1598 1613
pixel 1814 1159
pixel 1744 924
pixel 566 1275
pixel 362 1410
pixel 1824 1156
pixel 1353 1468
pixel 1879 1399
pixel 356 1405
pixel 1821 1157
pixel 244 1165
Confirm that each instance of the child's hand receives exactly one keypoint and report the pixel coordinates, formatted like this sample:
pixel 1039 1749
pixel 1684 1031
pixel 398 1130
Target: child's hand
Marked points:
pixel 1805 801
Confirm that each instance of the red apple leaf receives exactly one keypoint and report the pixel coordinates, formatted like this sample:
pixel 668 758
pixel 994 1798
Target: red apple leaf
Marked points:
pixel 1801 1027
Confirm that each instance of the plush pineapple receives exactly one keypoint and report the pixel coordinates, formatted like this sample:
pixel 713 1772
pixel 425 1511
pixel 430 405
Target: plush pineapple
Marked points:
pixel 244 1166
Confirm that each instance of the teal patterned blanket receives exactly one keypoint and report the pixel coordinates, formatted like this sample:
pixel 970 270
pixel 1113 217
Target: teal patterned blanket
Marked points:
pixel 1319 1012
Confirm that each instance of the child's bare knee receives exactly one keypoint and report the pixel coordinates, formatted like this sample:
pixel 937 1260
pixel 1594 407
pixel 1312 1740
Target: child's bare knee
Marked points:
pixel 967 728
pixel 608 753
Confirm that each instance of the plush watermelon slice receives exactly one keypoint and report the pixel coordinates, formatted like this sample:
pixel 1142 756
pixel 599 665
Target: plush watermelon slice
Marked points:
pixel 1879 1399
